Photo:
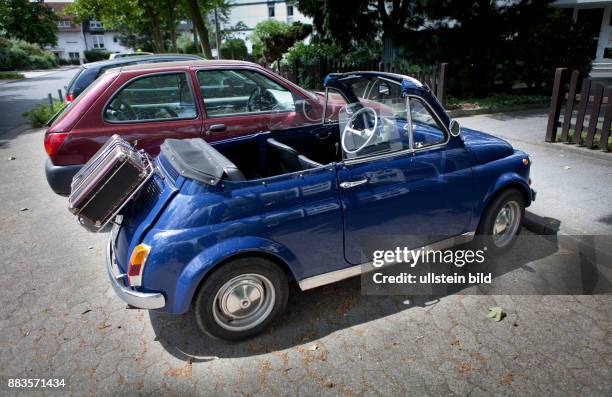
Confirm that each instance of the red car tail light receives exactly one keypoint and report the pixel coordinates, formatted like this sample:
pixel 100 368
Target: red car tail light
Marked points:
pixel 69 98
pixel 53 140
pixel 136 265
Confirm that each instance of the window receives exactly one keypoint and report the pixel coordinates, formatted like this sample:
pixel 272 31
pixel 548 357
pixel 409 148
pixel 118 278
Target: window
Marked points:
pixel 271 11
pixel 63 24
pixel 153 98
pixel 426 129
pixel 73 55
pixel 289 10
pixel 97 41
pixel 95 25
pixel 231 92
pixel 115 39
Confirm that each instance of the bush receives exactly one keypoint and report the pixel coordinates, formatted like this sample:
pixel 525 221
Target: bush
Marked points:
pixel 20 55
pixel 64 62
pixel 96 55
pixel 40 114
pixel 234 49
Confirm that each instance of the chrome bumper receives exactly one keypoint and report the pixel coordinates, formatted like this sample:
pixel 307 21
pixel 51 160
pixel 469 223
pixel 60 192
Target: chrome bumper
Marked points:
pixel 142 300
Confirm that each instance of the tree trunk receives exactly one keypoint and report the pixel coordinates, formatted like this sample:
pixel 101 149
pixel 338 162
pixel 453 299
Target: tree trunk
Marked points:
pixel 172 23
pixel 200 26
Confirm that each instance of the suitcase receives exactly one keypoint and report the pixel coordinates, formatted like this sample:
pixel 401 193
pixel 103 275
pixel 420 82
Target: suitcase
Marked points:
pixel 107 182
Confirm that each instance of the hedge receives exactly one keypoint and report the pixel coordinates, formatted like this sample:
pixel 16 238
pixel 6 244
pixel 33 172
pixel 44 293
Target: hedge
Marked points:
pixel 20 55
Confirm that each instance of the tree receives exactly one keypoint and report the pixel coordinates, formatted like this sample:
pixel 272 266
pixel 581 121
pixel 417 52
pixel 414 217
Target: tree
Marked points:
pixel 274 38
pixel 33 22
pixel 131 18
pixel 200 27
pixel 349 27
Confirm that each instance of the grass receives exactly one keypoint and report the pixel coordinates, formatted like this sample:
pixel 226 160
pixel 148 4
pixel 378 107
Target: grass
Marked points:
pixel 583 136
pixel 496 101
pixel 10 76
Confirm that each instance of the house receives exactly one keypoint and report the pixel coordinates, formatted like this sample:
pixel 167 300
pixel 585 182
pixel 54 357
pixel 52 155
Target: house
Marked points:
pixel 597 15
pixel 243 15
pixel 75 38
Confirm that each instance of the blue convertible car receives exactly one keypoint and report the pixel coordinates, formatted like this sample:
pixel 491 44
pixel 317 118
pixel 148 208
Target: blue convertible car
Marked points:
pixel 224 228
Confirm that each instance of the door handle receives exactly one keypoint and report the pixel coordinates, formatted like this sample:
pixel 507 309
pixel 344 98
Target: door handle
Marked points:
pixel 347 185
pixel 216 128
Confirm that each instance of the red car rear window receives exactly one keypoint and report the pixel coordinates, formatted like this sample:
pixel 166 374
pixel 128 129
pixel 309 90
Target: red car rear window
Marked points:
pixel 103 80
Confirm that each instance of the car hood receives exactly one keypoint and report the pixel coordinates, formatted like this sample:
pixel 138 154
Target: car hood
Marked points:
pixel 485 147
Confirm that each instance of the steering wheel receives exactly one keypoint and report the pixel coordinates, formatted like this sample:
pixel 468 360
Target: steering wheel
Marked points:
pixel 366 134
pixel 123 111
pixel 253 98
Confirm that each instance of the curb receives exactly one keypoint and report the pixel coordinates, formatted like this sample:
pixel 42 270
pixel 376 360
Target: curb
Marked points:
pixel 516 108
pixel 541 225
pixel 595 248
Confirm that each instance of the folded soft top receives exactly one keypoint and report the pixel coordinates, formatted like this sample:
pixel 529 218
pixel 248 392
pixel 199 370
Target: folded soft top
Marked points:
pixel 196 159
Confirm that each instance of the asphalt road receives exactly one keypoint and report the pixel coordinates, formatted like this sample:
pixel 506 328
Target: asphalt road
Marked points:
pixel 19 96
pixel 59 318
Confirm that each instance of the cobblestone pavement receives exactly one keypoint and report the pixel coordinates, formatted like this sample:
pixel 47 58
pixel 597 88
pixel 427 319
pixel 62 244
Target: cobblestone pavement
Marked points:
pixel 60 318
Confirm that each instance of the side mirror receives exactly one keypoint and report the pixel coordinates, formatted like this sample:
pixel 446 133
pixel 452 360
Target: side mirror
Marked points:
pixel 454 127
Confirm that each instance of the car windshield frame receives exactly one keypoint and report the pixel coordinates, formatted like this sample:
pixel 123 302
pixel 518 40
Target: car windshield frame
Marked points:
pixel 406 87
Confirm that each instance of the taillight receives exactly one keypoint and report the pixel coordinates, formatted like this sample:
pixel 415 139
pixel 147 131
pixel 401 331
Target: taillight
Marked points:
pixel 136 265
pixel 69 98
pixel 53 140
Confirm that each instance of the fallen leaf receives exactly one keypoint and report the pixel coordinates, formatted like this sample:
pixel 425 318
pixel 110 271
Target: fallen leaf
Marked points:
pixel 90 247
pixel 567 167
pixel 86 311
pixel 12 158
pixel 313 348
pixel 24 209
pixel 496 313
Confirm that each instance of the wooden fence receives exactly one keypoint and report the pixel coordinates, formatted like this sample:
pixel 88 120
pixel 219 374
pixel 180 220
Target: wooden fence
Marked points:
pixel 311 76
pixel 586 115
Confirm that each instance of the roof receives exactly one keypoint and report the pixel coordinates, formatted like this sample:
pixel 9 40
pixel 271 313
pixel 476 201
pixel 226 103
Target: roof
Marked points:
pixel 222 62
pixel 153 58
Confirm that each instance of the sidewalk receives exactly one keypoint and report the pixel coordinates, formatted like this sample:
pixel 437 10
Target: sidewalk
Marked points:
pixel 574 184
pixel 31 74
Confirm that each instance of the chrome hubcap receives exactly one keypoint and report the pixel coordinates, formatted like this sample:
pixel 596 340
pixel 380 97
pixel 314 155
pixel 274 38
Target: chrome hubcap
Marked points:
pixel 506 223
pixel 244 302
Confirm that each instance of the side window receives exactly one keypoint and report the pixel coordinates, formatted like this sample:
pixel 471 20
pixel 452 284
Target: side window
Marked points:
pixel 153 98
pixel 426 129
pixel 235 92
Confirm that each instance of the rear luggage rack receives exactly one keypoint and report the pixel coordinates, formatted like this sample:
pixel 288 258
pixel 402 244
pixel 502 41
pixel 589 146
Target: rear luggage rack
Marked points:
pixel 109 180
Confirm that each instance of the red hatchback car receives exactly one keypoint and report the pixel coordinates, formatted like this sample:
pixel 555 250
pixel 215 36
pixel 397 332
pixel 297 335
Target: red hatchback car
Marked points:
pixel 147 104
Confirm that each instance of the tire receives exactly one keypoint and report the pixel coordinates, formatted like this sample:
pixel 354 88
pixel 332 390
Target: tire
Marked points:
pixel 499 240
pixel 241 298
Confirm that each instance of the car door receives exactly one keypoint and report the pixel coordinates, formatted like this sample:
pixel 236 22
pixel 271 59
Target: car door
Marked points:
pixel 150 108
pixel 243 101
pixel 402 196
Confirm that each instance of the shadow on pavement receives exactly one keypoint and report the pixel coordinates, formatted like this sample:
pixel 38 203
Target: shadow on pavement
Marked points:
pixel 313 314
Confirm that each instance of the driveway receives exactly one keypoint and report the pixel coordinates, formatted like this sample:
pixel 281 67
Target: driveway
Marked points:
pixel 59 318
pixel 18 96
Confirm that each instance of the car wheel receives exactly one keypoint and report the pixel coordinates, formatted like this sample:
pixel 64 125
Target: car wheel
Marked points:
pixel 501 221
pixel 241 298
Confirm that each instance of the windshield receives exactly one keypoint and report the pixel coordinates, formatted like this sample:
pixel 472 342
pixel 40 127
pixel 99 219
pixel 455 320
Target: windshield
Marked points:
pixel 377 122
